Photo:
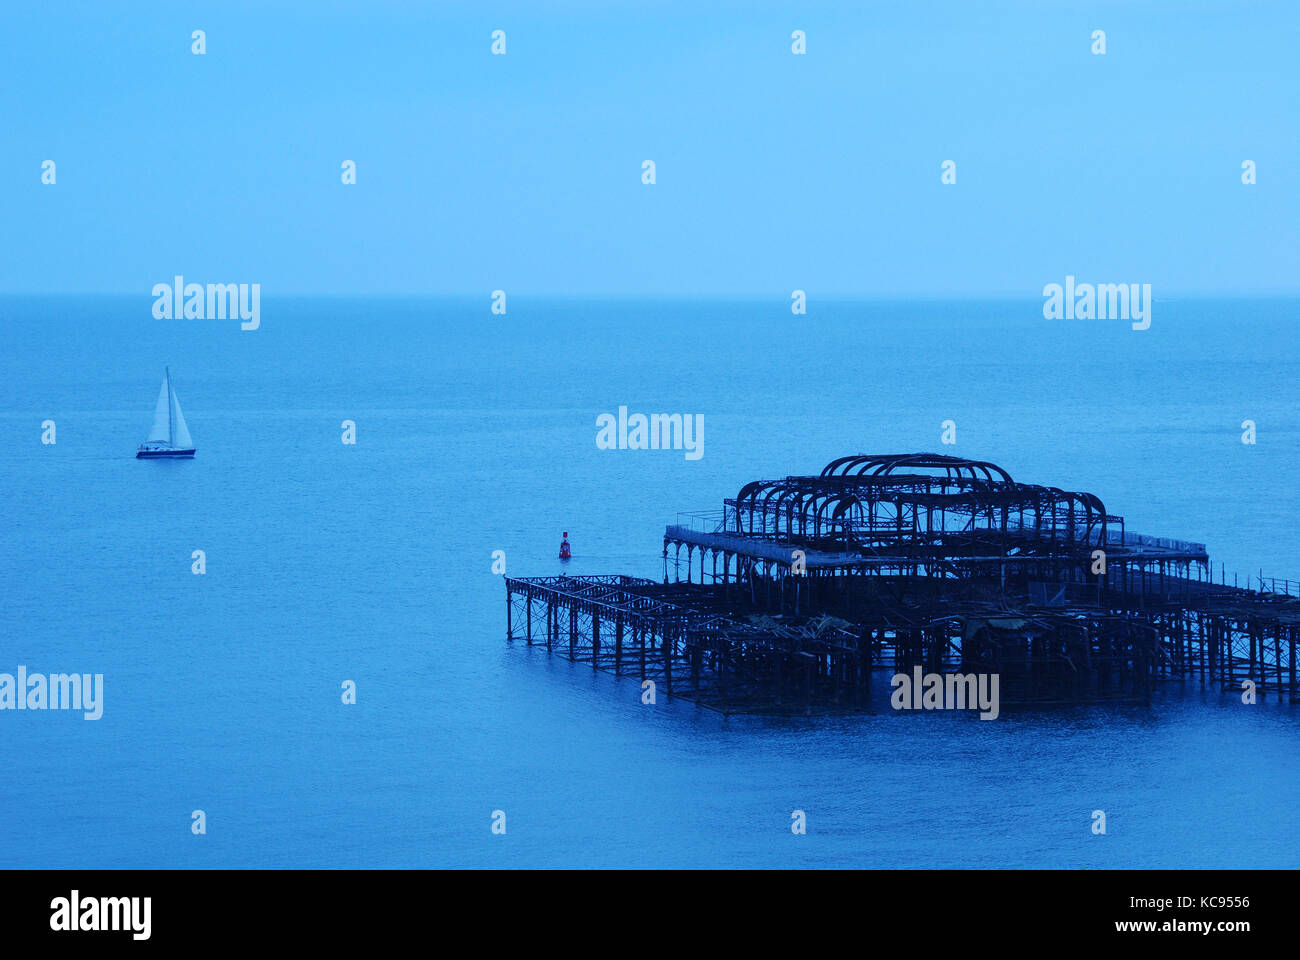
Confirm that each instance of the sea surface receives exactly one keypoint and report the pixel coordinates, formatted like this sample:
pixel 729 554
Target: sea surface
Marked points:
pixel 372 563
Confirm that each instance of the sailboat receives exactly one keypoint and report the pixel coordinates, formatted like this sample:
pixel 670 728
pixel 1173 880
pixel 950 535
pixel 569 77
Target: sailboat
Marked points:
pixel 169 436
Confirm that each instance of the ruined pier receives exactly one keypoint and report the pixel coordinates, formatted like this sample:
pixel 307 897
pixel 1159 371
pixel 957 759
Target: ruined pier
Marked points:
pixel 791 596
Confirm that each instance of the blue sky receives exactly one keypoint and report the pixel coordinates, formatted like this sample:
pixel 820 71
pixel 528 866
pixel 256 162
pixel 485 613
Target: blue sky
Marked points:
pixel 775 171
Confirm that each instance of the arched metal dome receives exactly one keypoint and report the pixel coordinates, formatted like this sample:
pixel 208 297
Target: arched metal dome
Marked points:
pixel 870 499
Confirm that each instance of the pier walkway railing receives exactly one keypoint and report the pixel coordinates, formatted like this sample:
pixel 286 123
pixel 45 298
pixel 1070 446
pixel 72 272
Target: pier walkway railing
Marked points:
pixel 724 522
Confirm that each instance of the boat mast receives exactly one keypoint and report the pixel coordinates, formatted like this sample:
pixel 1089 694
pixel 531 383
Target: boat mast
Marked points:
pixel 171 430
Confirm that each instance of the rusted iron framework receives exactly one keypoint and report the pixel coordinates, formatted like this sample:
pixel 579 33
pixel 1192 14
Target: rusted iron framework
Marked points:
pixel 917 503
pixel 805 585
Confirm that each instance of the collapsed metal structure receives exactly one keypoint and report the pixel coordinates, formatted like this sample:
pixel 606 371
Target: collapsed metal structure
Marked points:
pixel 791 595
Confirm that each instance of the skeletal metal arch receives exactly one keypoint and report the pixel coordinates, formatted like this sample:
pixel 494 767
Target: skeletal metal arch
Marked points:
pixel 890 494
pixel 885 464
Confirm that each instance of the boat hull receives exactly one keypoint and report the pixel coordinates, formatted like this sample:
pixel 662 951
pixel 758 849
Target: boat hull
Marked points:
pixel 164 454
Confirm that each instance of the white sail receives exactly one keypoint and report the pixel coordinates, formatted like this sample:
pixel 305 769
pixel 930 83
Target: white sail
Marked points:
pixel 161 432
pixel 180 433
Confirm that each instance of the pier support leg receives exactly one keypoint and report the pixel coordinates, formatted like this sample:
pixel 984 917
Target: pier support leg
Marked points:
pixel 668 662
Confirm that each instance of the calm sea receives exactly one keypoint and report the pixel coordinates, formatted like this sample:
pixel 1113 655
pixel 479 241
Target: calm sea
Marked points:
pixel 475 433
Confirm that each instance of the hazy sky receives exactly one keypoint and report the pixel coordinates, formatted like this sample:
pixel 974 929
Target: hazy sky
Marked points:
pixel 775 171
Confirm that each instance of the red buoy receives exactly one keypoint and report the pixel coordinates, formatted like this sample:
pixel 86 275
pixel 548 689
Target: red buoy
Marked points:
pixel 564 546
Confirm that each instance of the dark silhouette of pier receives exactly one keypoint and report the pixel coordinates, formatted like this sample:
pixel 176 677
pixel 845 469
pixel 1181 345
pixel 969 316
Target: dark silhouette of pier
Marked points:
pixel 789 597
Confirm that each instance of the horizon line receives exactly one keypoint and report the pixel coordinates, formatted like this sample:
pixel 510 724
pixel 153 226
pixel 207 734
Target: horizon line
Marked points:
pixel 783 296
